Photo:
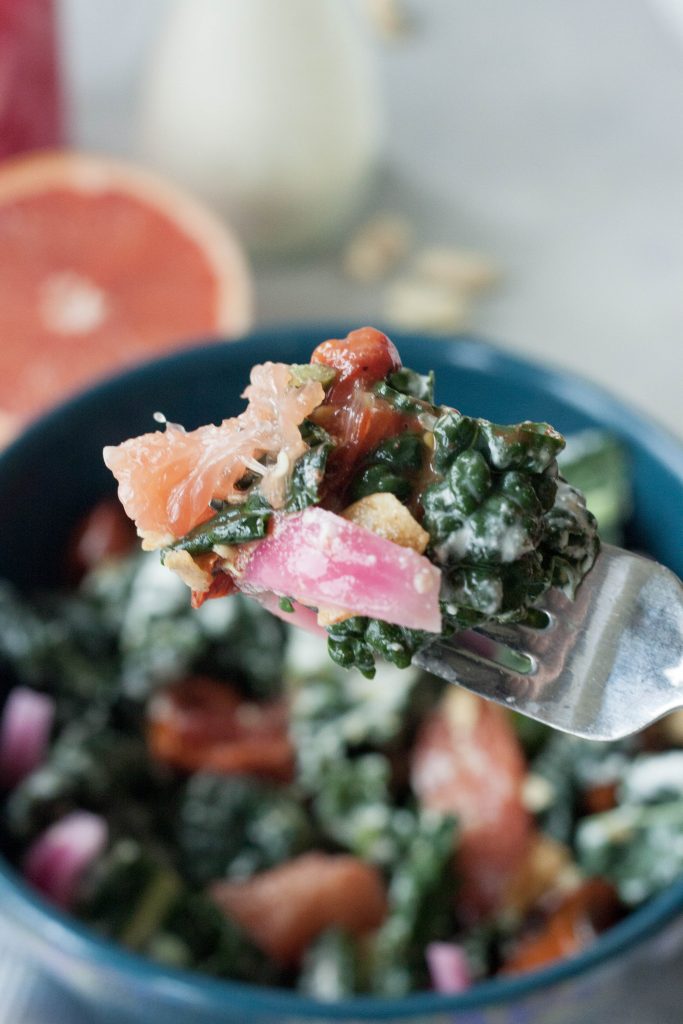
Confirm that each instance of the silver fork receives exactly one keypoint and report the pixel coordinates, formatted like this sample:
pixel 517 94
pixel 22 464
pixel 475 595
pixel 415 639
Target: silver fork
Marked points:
pixel 601 666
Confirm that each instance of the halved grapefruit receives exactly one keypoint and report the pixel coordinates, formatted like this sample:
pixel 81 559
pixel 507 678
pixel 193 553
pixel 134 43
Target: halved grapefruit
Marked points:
pixel 102 265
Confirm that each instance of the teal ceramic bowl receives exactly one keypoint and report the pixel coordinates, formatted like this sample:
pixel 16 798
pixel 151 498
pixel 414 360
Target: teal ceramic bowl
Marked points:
pixel 54 473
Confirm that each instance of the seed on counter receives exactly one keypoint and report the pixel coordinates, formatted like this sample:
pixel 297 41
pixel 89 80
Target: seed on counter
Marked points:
pixel 390 18
pixel 458 269
pixel 416 304
pixel 376 249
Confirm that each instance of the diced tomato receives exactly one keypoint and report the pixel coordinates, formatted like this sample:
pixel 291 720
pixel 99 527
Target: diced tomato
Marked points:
pixel 363 355
pixel 572 926
pixel 205 725
pixel 467 760
pixel 285 908
pixel 106 532
pixel 357 428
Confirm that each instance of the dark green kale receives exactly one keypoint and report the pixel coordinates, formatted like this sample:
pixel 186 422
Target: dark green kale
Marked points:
pixel 393 466
pixel 597 464
pixel 416 385
pixel 570 766
pixel 503 525
pixel 210 942
pixel 163 640
pixel 233 524
pixel 421 900
pixel 356 642
pixel 234 827
pixel 134 896
pixel 335 717
pixel 59 644
pixel 89 761
pixel 407 401
pixel 309 469
pixel 353 806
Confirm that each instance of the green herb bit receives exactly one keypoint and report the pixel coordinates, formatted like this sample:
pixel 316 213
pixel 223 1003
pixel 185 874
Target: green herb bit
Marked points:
pixel 380 480
pixel 309 469
pixel 406 404
pixel 356 642
pixel 403 452
pixel 528 446
pixel 286 605
pixel 236 524
pixel 391 468
pixel 415 385
pixel 302 372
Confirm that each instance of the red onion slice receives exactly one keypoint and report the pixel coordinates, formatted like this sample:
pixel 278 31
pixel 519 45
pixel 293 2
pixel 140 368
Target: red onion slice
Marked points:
pixel 25 730
pixel 56 861
pixel 448 967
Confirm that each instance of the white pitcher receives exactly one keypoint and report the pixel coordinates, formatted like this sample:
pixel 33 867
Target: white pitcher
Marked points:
pixel 268 109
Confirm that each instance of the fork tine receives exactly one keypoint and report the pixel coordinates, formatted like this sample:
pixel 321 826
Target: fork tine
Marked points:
pixel 482 676
pixel 516 638
pixel 610 663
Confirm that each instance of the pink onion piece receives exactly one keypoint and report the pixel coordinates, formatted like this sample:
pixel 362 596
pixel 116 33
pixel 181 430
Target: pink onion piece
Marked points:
pixel 56 862
pixel 326 561
pixel 25 730
pixel 449 968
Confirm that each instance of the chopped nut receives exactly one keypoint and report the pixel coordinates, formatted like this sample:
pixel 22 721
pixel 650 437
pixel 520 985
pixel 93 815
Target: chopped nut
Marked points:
pixel 457 269
pixel 384 515
pixel 537 793
pixel 462 709
pixel 415 304
pixel 183 565
pixel 331 616
pixel 152 540
pixel 376 249
pixel 547 866
pixel 670 729
pixel 390 18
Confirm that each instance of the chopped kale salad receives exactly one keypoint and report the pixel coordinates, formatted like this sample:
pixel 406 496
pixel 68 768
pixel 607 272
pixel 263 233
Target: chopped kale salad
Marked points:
pixel 207 788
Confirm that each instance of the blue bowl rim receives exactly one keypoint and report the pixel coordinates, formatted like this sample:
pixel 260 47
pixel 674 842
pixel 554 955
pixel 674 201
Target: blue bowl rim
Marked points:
pixel 55 928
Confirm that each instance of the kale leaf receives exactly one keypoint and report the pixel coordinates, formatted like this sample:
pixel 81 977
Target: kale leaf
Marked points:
pixel 233 524
pixel 309 469
pixel 503 525
pixel 421 899
pixel 163 639
pixel 234 827
pixel 639 845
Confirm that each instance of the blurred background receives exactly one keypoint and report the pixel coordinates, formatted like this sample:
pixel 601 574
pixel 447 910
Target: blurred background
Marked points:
pixel 511 170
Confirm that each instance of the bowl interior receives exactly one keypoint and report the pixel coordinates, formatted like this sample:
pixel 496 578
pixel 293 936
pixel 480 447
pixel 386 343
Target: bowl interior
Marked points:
pixel 55 471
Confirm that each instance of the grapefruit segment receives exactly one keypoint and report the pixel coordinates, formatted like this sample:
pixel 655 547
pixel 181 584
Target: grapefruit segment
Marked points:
pixel 467 761
pixel 168 479
pixel 104 265
pixel 285 908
